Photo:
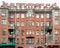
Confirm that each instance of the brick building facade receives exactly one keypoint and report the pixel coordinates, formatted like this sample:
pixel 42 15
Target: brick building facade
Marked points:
pixel 29 20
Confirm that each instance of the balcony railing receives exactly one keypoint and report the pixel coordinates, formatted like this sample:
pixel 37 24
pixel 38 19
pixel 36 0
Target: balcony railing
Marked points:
pixel 49 38
pixel 11 36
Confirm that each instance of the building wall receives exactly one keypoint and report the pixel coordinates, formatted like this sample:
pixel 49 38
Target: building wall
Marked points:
pixel 36 10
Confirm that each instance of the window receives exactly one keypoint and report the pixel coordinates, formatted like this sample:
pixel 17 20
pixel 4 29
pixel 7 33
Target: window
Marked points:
pixel 48 7
pixel 31 23
pixel 31 32
pixel 22 40
pixel 56 13
pixel 37 23
pixel 3 31
pixel 48 15
pixel 17 32
pixel 18 7
pixel 42 15
pixel 3 22
pixel 3 40
pixel 18 15
pixel 37 40
pixel 30 13
pixel 30 40
pixel 42 23
pixel 37 7
pixel 56 31
pixel 56 22
pixel 48 23
pixel 18 23
pixel 22 31
pixel 27 14
pixel 12 40
pixel 42 7
pixel 11 15
pixel 30 7
pixel 37 15
pixel 11 24
pixel 22 6
pixel 27 7
pixel 22 15
pixel 12 8
pixel 56 40
pixel 37 32
pixel 27 32
pixel 18 41
pixel 42 32
pixel 22 23
pixel 3 12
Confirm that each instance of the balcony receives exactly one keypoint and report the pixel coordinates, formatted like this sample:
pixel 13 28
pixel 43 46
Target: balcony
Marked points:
pixel 49 38
pixel 11 36
pixel 11 33
pixel 11 40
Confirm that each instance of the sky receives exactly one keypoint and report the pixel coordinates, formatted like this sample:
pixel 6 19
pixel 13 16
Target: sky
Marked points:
pixel 32 1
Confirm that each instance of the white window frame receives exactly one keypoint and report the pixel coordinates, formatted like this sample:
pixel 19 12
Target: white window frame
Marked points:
pixel 18 15
pixel 22 15
pixel 31 32
pixel 56 31
pixel 22 23
pixel 42 23
pixel 42 15
pixel 18 23
pixel 37 32
pixel 56 22
pixel 37 24
pixel 48 7
pixel 42 32
pixel 11 24
pixel 56 13
pixel 42 7
pixel 37 15
pixel 3 40
pixel 11 16
pixel 22 7
pixel 3 22
pixel 18 7
pixel 48 15
pixel 48 23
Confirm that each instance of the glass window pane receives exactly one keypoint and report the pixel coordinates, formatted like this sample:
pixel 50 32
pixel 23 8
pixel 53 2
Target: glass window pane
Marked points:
pixel 3 22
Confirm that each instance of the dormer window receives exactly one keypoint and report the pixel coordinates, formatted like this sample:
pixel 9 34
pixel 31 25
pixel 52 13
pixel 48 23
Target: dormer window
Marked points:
pixel 22 7
pixel 18 7
pixel 48 7
pixel 42 7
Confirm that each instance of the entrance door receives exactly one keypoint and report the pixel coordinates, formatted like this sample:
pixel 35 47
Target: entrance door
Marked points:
pixel 39 47
pixel 20 47
pixel 53 47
